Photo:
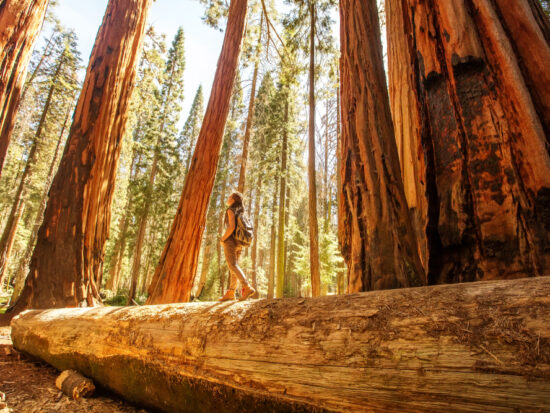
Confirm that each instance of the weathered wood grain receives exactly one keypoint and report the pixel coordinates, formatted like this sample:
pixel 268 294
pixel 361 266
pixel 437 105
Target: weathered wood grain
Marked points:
pixel 474 347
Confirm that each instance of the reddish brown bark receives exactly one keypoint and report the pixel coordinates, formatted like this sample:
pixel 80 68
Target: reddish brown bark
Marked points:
pixel 20 23
pixel 314 264
pixel 173 279
pixel 24 262
pixel 68 257
pixel 470 94
pixel 376 234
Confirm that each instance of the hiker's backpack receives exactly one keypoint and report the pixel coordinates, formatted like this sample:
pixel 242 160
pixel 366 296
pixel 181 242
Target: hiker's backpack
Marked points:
pixel 244 232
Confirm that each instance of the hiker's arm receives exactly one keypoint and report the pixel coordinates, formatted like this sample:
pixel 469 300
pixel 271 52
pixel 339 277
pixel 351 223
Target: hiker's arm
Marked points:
pixel 230 226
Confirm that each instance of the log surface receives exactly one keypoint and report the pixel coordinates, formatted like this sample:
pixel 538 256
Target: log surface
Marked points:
pixel 475 347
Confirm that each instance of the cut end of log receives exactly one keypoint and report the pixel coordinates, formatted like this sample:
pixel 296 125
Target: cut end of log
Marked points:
pixel 74 385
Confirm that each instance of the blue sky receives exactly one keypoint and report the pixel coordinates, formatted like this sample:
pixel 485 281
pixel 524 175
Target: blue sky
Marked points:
pixel 202 43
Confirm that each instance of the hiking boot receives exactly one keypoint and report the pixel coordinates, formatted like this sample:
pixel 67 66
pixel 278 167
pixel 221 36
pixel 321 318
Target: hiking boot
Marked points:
pixel 228 296
pixel 247 292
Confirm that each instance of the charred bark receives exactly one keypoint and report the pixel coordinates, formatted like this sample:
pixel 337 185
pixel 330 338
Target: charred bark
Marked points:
pixel 376 234
pixel 470 99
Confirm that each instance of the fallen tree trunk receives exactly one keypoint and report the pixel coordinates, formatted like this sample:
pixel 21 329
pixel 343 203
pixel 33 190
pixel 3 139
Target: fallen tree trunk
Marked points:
pixel 473 347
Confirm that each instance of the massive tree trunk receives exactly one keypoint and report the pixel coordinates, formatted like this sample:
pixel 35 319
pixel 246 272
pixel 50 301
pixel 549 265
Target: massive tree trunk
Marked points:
pixel 251 109
pixel 314 264
pixel 68 257
pixel 476 347
pixel 376 235
pixel 22 268
pixel 470 92
pixel 20 23
pixel 173 279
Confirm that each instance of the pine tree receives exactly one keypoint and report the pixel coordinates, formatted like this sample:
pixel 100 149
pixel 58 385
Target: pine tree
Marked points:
pixel 162 130
pixel 173 279
pixel 191 128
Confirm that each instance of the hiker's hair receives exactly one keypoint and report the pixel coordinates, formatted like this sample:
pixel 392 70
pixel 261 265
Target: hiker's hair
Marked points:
pixel 237 197
pixel 237 206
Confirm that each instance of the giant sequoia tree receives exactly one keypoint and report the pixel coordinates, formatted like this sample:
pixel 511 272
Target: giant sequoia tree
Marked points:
pixel 470 92
pixel 20 23
pixel 173 279
pixel 68 257
pixel 376 234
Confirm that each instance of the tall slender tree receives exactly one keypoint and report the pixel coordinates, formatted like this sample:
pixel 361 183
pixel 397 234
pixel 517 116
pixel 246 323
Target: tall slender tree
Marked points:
pixel 173 279
pixel 377 237
pixel 20 23
pixel 67 260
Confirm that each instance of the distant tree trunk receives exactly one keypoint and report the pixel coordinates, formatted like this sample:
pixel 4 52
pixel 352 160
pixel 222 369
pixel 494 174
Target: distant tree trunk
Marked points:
pixel 220 234
pixel 326 200
pixel 68 257
pixel 120 247
pixel 470 92
pixel 174 275
pixel 251 108
pixel 272 247
pixel 282 206
pixel 143 218
pixel 341 278
pixel 10 229
pixel 20 24
pixel 313 225
pixel 377 237
pixel 24 263
pixel 256 234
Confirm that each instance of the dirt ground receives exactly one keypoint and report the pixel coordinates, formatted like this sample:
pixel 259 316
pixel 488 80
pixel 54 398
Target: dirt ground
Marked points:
pixel 27 386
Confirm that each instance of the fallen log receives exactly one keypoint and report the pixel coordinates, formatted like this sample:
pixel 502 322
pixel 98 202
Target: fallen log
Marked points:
pixel 476 347
pixel 74 385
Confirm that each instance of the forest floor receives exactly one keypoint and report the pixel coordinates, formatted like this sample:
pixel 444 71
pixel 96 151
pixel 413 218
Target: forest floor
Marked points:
pixel 28 386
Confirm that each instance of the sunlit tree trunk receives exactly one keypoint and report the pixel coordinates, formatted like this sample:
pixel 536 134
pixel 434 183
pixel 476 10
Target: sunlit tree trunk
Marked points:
pixel 272 246
pixel 22 267
pixel 256 234
pixel 282 209
pixel 470 92
pixel 20 23
pixel 312 204
pixel 68 257
pixel 376 234
pixel 174 275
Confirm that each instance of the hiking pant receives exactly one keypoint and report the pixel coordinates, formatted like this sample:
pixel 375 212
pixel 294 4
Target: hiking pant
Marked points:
pixel 232 252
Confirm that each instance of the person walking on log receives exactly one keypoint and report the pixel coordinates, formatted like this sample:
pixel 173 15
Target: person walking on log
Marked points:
pixel 238 234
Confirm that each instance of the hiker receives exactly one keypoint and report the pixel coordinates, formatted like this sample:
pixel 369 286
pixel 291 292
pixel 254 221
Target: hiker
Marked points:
pixel 238 234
